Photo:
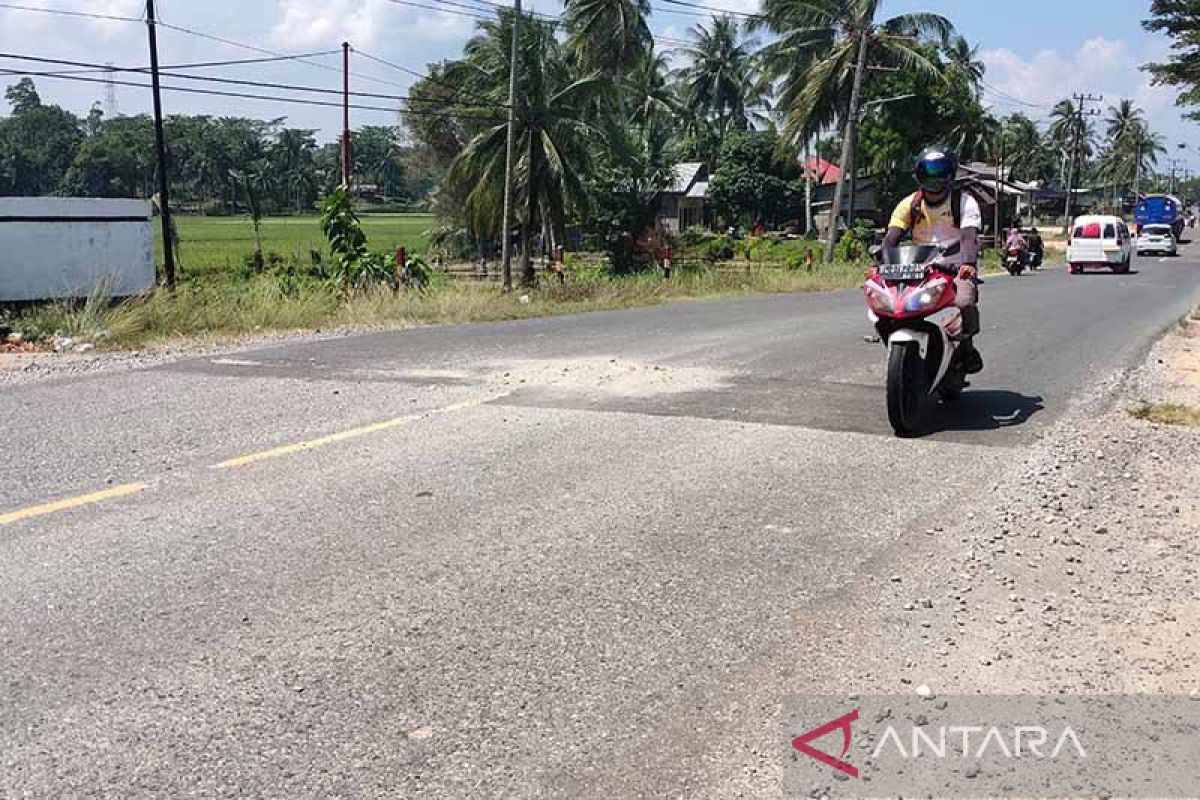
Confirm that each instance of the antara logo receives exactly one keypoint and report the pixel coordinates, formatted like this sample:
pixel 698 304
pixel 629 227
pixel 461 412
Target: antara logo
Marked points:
pixel 802 743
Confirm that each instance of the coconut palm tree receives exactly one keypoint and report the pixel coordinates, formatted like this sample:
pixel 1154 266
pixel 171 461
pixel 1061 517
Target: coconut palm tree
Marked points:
pixel 820 59
pixel 550 130
pixel 965 59
pixel 720 79
pixel 608 35
pixel 649 93
pixel 1123 119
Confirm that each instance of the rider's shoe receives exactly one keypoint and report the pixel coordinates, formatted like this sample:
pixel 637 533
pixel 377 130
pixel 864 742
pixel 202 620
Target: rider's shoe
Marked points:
pixel 969 358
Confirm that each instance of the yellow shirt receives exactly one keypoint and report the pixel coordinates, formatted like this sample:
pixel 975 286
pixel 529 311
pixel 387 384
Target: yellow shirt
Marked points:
pixel 935 224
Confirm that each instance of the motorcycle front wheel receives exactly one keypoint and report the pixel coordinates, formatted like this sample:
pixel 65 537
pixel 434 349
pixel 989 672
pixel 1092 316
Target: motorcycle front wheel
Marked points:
pixel 905 385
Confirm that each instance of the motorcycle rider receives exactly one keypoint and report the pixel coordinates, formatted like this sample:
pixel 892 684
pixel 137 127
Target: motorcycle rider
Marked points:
pixel 1037 248
pixel 1016 240
pixel 939 214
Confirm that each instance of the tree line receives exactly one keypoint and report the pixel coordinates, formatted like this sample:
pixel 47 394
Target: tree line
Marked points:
pixel 47 150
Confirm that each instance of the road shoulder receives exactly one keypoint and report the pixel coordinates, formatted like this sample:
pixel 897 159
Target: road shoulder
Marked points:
pixel 1072 572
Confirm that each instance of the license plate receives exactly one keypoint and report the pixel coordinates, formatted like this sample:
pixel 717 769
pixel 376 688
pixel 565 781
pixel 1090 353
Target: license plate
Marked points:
pixel 902 272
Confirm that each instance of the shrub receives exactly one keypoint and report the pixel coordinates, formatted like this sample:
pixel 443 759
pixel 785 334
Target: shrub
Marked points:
pixel 719 248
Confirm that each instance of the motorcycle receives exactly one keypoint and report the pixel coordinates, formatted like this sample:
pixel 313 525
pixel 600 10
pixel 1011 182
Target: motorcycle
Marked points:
pixel 1014 261
pixel 910 301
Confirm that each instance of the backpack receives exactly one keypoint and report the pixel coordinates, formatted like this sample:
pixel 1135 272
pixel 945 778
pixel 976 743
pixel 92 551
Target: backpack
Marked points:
pixel 918 207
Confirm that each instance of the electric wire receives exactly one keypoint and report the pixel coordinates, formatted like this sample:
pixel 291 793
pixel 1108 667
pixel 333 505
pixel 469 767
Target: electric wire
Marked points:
pixel 227 81
pixel 246 95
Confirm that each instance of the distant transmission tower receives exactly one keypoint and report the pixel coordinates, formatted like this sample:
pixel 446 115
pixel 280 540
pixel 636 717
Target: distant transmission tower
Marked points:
pixel 110 92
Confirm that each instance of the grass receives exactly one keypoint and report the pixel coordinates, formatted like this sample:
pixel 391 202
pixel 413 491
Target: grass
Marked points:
pixel 212 245
pixel 227 309
pixel 1168 414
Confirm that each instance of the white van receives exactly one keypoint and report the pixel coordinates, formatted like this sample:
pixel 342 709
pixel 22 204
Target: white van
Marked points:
pixel 1099 242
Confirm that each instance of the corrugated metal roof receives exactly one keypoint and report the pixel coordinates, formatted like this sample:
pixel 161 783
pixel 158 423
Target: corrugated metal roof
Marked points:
pixel 699 190
pixel 685 175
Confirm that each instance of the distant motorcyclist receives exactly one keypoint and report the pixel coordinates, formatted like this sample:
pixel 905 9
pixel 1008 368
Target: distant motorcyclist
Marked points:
pixel 1016 240
pixel 1037 248
pixel 940 214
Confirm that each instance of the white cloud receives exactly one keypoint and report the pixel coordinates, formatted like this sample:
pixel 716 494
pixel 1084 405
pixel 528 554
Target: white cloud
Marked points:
pixel 308 23
pixel 1099 66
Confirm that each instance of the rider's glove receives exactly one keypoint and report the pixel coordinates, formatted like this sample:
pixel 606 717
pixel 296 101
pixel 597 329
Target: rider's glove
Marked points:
pixel 967 272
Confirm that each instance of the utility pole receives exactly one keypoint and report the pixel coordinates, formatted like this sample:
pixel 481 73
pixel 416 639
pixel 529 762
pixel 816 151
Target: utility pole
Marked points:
pixel 1175 164
pixel 347 161
pixel 506 228
pixel 1137 172
pixel 848 143
pixel 999 190
pixel 160 147
pixel 1081 111
pixel 808 183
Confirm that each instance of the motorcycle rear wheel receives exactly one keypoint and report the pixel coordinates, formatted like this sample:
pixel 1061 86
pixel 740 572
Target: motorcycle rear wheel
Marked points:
pixel 905 385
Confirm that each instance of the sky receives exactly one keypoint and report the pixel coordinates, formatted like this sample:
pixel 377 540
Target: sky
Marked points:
pixel 1036 51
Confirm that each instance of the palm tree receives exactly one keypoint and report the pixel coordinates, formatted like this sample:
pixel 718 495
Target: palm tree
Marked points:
pixel 1123 119
pixel 965 59
pixel 720 79
pixel 608 35
pixel 550 131
pixel 1024 149
pixel 820 60
pixel 291 159
pixel 649 93
pixel 1065 127
pixel 978 137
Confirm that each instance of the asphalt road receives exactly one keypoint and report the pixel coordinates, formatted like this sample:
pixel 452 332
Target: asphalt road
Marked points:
pixel 551 558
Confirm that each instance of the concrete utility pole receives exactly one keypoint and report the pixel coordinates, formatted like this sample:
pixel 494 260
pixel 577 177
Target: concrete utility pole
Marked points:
pixel 347 160
pixel 848 144
pixel 160 147
pixel 506 231
pixel 999 190
pixel 1081 111
pixel 1176 163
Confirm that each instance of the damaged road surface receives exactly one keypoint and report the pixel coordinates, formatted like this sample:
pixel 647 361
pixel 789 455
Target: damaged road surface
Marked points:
pixel 588 556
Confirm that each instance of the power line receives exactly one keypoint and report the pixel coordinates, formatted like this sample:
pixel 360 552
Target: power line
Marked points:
pixel 197 65
pixel 483 13
pixel 212 79
pixel 245 95
pixel 1011 98
pixel 264 51
pixel 710 9
pixel 65 13
pixel 422 76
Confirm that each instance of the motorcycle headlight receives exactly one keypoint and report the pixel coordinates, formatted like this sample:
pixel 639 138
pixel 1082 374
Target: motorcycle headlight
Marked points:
pixel 880 300
pixel 928 297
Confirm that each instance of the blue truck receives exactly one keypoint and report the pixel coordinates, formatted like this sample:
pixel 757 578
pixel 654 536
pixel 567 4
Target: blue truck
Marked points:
pixel 1160 209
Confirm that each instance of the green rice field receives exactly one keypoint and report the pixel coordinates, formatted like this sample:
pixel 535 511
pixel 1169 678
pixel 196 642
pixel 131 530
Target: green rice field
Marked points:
pixel 215 244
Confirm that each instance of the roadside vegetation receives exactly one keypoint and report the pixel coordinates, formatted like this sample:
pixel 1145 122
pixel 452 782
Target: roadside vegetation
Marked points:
pixel 1168 414
pixel 267 303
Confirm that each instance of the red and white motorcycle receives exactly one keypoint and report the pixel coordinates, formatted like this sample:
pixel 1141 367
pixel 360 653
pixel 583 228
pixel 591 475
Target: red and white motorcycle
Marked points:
pixel 910 301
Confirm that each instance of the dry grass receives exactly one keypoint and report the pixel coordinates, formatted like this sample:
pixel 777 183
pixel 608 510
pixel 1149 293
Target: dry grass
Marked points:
pixel 268 304
pixel 1168 414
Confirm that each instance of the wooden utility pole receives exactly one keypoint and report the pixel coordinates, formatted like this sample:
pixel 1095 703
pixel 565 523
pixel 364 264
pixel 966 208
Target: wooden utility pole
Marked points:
pixel 347 160
pixel 506 225
pixel 160 147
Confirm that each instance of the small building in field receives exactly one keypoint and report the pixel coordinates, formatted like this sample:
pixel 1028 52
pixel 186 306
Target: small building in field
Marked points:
pixel 684 204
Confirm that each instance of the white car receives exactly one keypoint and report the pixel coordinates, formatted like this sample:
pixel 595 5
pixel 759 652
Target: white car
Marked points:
pixel 1157 239
pixel 1099 241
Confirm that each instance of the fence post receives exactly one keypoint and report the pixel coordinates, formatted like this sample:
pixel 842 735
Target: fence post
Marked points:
pixel 401 266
